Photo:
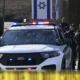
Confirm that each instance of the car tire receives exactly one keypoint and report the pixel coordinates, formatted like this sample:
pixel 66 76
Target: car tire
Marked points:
pixel 63 67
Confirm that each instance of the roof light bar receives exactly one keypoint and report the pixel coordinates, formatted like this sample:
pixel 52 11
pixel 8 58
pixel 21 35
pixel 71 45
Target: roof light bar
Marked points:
pixel 34 23
pixel 46 22
pixel 40 22
pixel 14 23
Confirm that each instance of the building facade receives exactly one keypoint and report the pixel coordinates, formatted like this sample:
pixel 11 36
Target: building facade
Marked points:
pixel 22 9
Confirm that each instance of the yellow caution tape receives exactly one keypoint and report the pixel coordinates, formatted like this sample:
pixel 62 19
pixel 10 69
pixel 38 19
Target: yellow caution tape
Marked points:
pixel 23 75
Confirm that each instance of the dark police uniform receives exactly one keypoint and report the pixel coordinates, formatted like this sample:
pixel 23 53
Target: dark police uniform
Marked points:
pixel 64 26
pixel 70 34
pixel 77 41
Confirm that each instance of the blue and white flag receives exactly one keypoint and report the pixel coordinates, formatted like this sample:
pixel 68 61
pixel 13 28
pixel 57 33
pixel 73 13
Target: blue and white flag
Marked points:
pixel 41 9
pixel 57 9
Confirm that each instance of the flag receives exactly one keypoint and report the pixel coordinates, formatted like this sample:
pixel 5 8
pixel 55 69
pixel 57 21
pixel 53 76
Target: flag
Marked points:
pixel 57 9
pixel 41 9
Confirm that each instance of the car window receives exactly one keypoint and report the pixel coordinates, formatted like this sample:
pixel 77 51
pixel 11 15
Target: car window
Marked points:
pixel 18 37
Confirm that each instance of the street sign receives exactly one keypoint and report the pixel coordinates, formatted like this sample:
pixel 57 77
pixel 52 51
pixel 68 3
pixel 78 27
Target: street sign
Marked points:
pixel 42 9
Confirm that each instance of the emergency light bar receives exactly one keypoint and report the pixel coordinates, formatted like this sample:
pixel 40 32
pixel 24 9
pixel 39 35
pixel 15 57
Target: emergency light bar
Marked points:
pixel 14 23
pixel 41 22
pixel 33 23
pixel 20 24
pixel 44 23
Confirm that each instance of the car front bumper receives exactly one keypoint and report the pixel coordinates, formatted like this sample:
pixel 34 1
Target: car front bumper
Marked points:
pixel 50 64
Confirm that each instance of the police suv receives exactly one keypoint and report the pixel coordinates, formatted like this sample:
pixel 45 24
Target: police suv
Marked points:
pixel 35 48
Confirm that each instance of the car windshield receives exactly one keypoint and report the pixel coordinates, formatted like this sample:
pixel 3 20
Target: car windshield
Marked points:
pixel 19 37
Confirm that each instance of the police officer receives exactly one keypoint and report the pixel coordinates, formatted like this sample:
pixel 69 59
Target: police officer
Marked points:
pixel 64 25
pixel 70 34
pixel 77 41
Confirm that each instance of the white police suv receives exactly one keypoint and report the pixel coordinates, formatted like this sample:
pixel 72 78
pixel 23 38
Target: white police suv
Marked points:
pixel 35 48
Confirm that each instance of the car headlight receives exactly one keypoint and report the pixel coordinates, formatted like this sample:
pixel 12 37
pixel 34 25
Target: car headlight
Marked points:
pixel 1 56
pixel 50 54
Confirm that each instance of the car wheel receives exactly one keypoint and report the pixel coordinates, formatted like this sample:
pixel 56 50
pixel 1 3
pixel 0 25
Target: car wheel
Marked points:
pixel 63 67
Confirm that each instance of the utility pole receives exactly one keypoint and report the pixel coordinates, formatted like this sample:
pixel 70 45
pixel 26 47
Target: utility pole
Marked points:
pixel 3 20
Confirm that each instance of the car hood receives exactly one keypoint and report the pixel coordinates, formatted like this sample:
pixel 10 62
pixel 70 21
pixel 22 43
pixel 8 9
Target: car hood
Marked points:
pixel 28 48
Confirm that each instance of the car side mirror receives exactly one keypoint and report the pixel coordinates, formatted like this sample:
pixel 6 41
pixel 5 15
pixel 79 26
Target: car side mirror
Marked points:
pixel 67 41
pixel 59 42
